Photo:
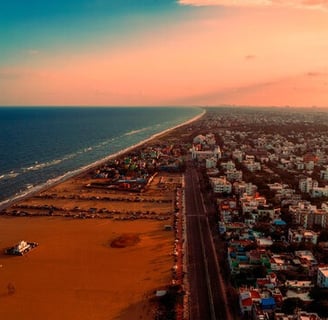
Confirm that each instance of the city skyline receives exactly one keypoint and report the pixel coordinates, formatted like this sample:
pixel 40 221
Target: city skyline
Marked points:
pixel 165 52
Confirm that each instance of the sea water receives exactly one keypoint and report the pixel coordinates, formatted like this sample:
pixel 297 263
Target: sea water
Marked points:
pixel 42 144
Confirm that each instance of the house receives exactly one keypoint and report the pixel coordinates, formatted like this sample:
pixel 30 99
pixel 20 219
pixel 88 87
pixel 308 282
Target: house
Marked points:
pixel 211 162
pixel 210 139
pixel 229 165
pixel 200 154
pixel 322 277
pixel 324 174
pixel 308 216
pixel 267 211
pixel 227 209
pixel 240 188
pixel 277 186
pixel 245 302
pixel 252 165
pixel 307 184
pixel 234 175
pixel 268 303
pixel 278 262
pixel 264 242
pixel 221 185
pixel 302 235
pixel 318 192
pixel 299 289
pixel 200 139
pixel 251 203
pixel 237 155
pixel 308 261
pixel 269 282
pixel 299 315
pixel 248 297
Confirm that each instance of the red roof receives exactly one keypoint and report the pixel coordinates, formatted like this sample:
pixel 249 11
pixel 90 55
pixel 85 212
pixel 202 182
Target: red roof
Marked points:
pixel 255 294
pixel 262 282
pixel 247 302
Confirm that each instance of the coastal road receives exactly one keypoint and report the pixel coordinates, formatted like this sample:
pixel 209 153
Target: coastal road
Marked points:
pixel 207 292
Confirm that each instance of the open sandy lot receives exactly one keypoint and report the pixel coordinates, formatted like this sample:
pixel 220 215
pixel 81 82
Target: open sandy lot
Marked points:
pixel 74 273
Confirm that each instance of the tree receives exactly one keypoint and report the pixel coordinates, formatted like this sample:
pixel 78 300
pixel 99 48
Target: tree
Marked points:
pixel 289 305
pixel 323 236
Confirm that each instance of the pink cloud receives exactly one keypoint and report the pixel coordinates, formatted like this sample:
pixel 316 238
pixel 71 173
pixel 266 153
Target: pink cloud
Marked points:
pixel 207 58
pixel 311 4
pixel 294 91
pixel 250 57
pixel 316 74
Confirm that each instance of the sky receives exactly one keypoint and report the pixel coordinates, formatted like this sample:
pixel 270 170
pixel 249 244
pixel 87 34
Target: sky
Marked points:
pixel 164 52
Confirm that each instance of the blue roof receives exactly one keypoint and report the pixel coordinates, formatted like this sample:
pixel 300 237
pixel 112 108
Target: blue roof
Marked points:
pixel 268 302
pixel 279 222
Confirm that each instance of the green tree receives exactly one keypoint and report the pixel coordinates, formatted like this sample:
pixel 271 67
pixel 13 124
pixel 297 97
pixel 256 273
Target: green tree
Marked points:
pixel 290 304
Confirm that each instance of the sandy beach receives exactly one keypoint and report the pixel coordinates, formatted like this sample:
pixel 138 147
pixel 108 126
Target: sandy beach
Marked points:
pixel 76 272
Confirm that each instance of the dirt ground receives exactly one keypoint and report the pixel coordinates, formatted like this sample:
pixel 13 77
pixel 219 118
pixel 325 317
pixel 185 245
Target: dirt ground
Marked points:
pixel 73 198
pixel 75 272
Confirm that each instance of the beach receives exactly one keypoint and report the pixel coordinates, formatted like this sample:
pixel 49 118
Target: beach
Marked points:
pixel 74 273
pixel 102 253
pixel 71 174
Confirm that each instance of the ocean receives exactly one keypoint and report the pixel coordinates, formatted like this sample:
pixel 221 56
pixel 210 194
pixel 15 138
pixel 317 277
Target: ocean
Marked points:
pixel 40 145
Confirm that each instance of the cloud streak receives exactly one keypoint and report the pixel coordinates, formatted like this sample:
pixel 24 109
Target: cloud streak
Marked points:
pixel 297 90
pixel 309 4
pixel 32 52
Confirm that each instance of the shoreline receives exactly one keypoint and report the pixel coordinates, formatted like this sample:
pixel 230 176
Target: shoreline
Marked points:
pixel 71 174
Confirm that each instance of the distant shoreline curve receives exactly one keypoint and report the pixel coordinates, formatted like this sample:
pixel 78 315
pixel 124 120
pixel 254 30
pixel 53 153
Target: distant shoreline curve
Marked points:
pixel 71 174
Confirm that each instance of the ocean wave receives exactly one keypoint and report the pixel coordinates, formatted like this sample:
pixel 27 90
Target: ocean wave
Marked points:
pixel 69 156
pixel 10 175
pixel 29 189
pixel 130 133
pixel 106 142
pixel 37 166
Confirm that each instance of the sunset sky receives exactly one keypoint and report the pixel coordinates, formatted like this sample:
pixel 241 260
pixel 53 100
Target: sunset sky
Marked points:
pixel 164 52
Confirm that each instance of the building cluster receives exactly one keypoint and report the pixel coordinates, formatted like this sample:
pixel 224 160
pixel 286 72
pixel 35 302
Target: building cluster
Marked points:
pixel 269 180
pixel 134 170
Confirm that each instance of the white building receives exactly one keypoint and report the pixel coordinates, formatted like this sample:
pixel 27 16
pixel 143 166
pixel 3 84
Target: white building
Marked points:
pixel 229 165
pixel 251 203
pixel 322 277
pixel 234 175
pixel 237 155
pixel 318 192
pixel 267 211
pixel 324 174
pixel 199 139
pixel 302 235
pixel 307 215
pixel 205 154
pixel 307 184
pixel 210 139
pixel 277 186
pixel 211 163
pixel 324 206
pixel 221 185
pixel 245 188
pixel 309 165
pixel 252 165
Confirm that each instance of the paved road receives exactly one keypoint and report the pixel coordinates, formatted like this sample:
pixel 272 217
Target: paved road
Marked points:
pixel 207 292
